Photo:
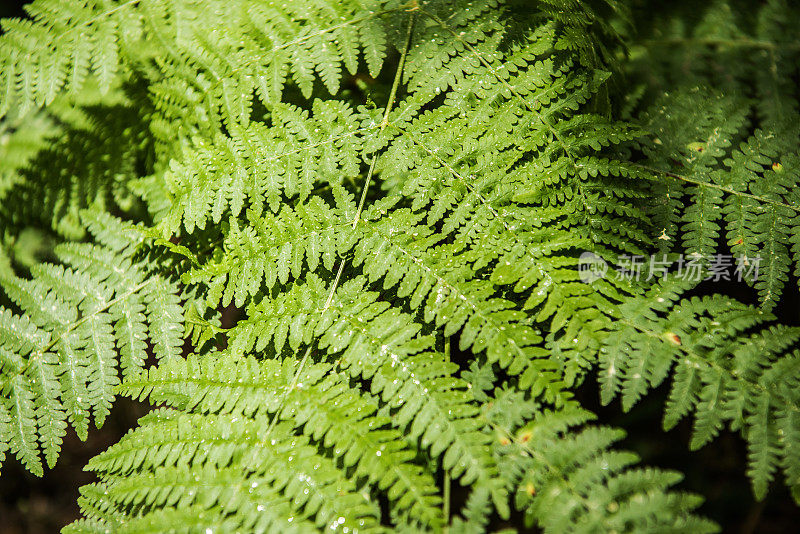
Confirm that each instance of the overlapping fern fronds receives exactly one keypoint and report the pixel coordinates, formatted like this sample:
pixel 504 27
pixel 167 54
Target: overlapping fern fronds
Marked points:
pixel 394 196
pixel 220 454
pixel 727 145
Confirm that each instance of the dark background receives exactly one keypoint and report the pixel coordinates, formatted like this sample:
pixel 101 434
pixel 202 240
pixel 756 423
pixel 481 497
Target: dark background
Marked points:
pixel 31 505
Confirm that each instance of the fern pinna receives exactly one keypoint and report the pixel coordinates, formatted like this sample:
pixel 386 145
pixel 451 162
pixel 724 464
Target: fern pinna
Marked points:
pixel 395 196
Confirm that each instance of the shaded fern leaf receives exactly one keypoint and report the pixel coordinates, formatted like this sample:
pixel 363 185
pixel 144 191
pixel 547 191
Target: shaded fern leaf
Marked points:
pixel 80 322
pixel 98 151
pixel 21 139
pixel 567 478
pixel 747 194
pixel 726 145
pixel 729 367
pixel 626 496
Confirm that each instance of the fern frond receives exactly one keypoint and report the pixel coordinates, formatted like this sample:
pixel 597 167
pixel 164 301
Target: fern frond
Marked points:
pixel 273 247
pixel 21 139
pixel 752 189
pixel 374 342
pixel 568 479
pixel 219 424
pixel 585 29
pixel 437 155
pixel 97 153
pixel 60 356
pixel 319 404
pixel 215 177
pixel 466 167
pixel 437 60
pixel 726 146
pixel 59 47
pixel 729 366
pixel 219 77
pixel 177 461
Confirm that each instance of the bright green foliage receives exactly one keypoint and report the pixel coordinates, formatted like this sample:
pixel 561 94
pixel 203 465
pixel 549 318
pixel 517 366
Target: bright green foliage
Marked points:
pixel 375 342
pixel 85 36
pixel 65 43
pixel 444 224
pixel 261 480
pixel 293 153
pixel 370 216
pixel 222 432
pixel 317 402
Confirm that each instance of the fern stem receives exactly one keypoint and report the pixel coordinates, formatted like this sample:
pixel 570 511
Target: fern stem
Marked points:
pixel 362 202
pixel 102 15
pixel 715 186
pixel 384 121
pixel 446 503
pixel 446 490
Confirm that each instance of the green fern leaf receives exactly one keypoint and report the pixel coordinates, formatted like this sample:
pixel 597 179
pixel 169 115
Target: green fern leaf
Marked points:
pixel 60 358
pixel 727 364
